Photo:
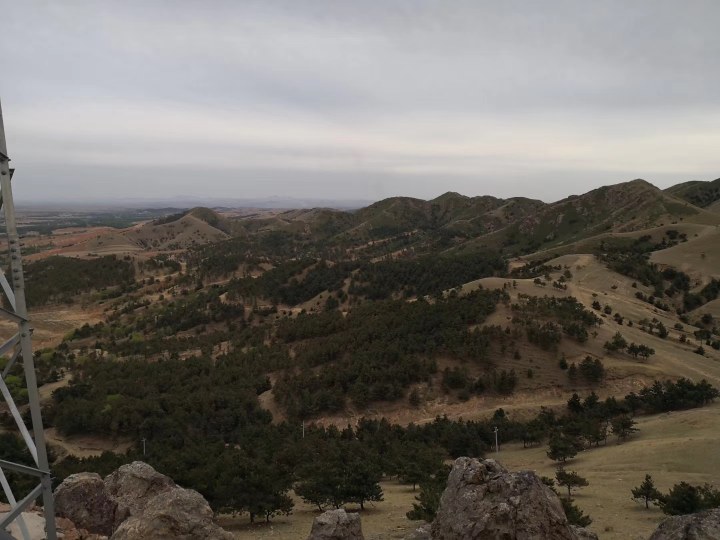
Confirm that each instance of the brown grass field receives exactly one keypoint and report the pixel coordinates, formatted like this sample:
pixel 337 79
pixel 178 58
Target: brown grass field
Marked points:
pixel 384 520
pixel 671 447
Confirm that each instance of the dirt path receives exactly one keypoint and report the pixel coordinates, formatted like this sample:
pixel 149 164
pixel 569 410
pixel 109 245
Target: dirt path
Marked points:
pixel 85 445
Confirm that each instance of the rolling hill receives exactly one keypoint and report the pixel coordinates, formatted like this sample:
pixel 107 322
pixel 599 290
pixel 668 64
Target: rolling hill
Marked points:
pixel 699 193
pixel 414 315
pixel 397 225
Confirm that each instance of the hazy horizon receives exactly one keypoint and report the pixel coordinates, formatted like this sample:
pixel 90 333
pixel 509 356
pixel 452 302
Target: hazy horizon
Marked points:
pixel 269 202
pixel 348 101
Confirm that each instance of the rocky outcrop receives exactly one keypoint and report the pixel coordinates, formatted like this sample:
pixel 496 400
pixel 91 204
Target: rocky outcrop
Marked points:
pixel 700 526
pixel 136 502
pixel 133 485
pixel 83 499
pixel 483 500
pixel 336 525
pixel 178 513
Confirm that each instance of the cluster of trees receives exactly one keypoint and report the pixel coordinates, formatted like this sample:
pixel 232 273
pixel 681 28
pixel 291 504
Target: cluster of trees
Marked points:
pixel 683 498
pixel 426 275
pixel 296 281
pixel 708 293
pixel 619 344
pixel 671 396
pixel 380 348
pixel 501 381
pixel 534 269
pixel 204 427
pixel 590 369
pixel 197 396
pixel 590 421
pixel 61 279
pixel 162 263
pixel 633 261
pixel 565 315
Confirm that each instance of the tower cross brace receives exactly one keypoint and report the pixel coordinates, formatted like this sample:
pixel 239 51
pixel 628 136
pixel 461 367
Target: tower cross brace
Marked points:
pixel 18 348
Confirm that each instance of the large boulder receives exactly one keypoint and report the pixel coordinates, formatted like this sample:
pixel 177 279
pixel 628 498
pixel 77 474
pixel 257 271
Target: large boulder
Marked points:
pixel 132 486
pixel 700 526
pixel 136 502
pixel 181 514
pixel 336 525
pixel 82 499
pixel 483 500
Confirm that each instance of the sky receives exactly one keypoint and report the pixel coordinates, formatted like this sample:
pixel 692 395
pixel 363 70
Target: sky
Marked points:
pixel 108 101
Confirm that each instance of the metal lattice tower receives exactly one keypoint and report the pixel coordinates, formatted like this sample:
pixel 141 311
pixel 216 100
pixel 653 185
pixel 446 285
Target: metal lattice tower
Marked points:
pixel 18 348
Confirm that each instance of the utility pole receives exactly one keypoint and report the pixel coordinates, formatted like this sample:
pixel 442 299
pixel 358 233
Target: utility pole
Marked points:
pixel 497 448
pixel 18 348
pixel 143 441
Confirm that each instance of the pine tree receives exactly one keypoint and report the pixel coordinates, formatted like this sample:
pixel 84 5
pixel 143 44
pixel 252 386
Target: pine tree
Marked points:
pixel 682 499
pixel 428 500
pixel 623 426
pixel 647 492
pixel 570 479
pixel 561 448
pixel 574 515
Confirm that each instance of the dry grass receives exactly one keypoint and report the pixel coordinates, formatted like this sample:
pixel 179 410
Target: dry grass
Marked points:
pixel 384 520
pixel 51 323
pixel 699 256
pixel 671 447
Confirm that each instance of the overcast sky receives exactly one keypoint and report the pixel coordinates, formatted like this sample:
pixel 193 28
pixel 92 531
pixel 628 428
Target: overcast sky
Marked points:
pixel 365 99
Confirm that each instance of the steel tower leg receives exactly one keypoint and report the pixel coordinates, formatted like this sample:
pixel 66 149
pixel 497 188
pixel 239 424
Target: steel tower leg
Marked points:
pixel 19 346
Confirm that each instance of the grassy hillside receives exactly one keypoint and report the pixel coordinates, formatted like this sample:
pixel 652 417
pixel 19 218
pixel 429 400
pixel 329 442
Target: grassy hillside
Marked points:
pixel 698 193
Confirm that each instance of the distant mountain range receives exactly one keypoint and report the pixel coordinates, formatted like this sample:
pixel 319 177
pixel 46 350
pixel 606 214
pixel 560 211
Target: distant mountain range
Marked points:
pixel 188 202
pixel 450 222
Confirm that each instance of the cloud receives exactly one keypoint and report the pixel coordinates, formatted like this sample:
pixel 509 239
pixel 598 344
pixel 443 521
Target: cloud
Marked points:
pixel 359 99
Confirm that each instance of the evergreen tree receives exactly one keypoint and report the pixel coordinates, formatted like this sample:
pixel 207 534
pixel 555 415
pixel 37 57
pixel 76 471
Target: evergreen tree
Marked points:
pixel 647 492
pixel 574 515
pixel 682 499
pixel 623 426
pixel 561 448
pixel 417 462
pixel 428 500
pixel 570 479
pixel 618 343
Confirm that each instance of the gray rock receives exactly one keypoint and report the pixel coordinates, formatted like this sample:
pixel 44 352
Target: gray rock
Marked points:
pixel 484 501
pixel 583 534
pixel 700 526
pixel 132 486
pixel 336 525
pixel 136 502
pixel 178 513
pixel 83 499
pixel 421 533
